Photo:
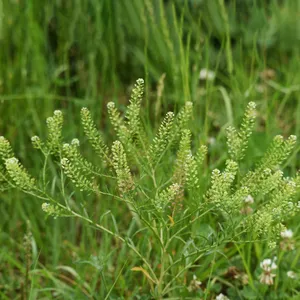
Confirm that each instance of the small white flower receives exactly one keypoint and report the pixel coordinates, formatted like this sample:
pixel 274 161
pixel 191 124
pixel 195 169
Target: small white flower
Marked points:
pixel 291 274
pixel 49 120
pixel 206 74
pixel 35 139
pixel 216 172
pixel 287 242
pixel 140 81
pixel 252 105
pixel 75 142
pixel 268 265
pixel 287 234
pixel 278 138
pixel 211 140
pixel 222 297
pixel 273 266
pixel 175 187
pixel 195 284
pixel 45 206
pixel 170 114
pixel 66 146
pixel 12 161
pixel 110 105
pixel 57 113
pixel 267 278
pixel 249 199
pixel 36 142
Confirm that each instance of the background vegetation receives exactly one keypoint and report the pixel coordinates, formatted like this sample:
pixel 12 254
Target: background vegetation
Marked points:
pixel 69 54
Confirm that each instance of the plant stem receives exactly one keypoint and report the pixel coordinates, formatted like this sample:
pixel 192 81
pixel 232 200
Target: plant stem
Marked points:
pixel 162 266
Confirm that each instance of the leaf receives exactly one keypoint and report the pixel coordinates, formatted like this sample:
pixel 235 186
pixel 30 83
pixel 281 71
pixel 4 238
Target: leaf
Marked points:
pixel 249 293
pixel 171 220
pixel 140 269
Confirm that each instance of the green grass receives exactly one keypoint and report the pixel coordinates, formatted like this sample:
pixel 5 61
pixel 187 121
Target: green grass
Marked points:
pixel 69 54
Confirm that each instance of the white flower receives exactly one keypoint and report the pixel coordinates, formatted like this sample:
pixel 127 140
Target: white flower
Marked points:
pixel 222 297
pixel 291 274
pixel 268 265
pixel 45 206
pixel 189 104
pixel 36 142
pixel 140 81
pixel 267 278
pixel 287 242
pixel 49 120
pixel 211 140
pixel 206 74
pixel 287 234
pixel 66 146
pixel 57 113
pixel 110 105
pixel 12 161
pixel 249 199
pixel 75 142
pixel 195 284
pixel 35 139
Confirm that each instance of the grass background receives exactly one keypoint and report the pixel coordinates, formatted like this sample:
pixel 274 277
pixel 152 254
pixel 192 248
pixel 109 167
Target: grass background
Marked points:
pixel 69 54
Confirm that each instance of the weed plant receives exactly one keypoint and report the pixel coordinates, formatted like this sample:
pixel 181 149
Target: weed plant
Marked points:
pixel 219 55
pixel 178 220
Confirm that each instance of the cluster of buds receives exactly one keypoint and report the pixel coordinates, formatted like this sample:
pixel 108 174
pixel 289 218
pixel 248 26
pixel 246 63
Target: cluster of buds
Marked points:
pixel 19 174
pixel 287 242
pixel 36 142
pixel 168 197
pixel 268 266
pixel 52 210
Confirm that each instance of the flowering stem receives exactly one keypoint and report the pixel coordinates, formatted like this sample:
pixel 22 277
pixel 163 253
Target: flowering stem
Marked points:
pixel 130 245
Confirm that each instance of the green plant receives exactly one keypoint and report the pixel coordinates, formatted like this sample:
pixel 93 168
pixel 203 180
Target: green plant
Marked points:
pixel 159 180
